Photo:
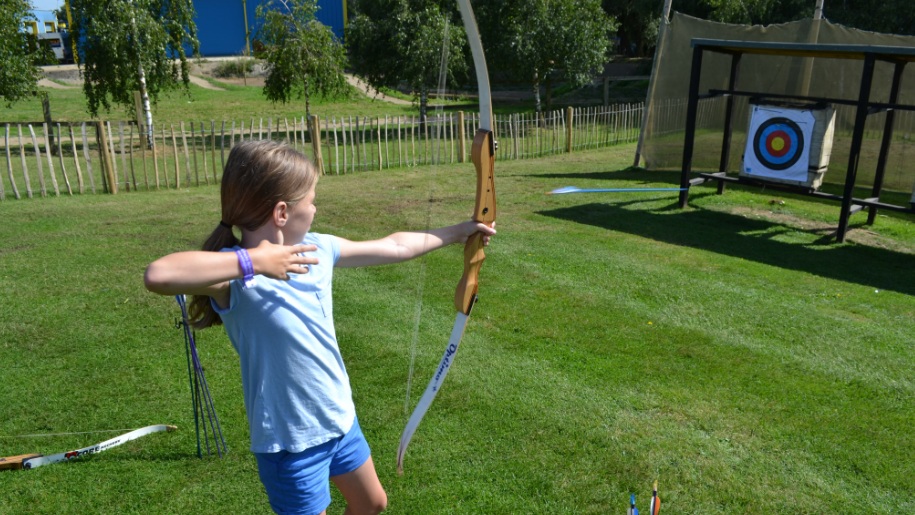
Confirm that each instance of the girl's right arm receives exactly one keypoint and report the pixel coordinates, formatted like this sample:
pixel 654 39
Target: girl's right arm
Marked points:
pixel 193 273
pixel 209 273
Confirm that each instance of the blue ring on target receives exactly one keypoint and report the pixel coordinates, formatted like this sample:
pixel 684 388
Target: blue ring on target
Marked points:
pixel 791 137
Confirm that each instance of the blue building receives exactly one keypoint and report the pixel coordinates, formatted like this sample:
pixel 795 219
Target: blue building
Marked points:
pixel 227 27
pixel 224 27
pixel 45 27
pixel 44 22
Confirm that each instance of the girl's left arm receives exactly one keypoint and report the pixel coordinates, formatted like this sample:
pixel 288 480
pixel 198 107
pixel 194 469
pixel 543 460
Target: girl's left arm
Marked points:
pixel 402 246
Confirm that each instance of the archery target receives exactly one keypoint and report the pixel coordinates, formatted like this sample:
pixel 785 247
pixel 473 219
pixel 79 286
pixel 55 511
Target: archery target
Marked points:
pixel 778 143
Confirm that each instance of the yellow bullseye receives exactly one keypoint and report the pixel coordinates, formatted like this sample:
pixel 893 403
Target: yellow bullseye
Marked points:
pixel 778 144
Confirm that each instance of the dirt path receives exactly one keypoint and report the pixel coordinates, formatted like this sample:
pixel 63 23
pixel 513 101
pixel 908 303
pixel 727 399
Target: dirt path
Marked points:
pixel 47 83
pixel 203 83
pixel 363 87
pixel 70 75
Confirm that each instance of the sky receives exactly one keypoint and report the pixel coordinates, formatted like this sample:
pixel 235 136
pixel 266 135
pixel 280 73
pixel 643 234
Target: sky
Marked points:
pixel 46 5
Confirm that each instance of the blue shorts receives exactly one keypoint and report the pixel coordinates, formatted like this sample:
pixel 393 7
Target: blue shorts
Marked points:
pixel 300 482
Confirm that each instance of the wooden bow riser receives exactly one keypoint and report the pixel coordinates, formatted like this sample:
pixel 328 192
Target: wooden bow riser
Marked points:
pixel 483 156
pixel 15 462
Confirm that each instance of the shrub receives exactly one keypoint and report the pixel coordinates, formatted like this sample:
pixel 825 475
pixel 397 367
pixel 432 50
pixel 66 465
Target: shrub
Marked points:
pixel 234 68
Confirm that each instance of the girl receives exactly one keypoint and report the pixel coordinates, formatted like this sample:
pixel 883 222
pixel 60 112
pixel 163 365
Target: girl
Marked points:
pixel 272 291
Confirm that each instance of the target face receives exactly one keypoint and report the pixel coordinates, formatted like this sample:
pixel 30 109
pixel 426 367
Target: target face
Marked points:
pixel 778 143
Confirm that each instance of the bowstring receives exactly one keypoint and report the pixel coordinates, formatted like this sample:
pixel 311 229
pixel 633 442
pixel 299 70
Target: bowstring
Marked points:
pixel 421 282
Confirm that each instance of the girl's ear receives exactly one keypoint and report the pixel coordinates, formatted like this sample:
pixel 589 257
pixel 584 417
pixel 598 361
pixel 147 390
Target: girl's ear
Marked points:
pixel 280 213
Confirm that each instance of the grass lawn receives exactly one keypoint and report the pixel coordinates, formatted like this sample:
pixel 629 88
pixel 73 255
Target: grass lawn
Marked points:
pixel 728 350
pixel 201 105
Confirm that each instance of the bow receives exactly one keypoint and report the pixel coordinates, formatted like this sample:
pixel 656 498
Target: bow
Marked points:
pixel 483 157
pixel 30 461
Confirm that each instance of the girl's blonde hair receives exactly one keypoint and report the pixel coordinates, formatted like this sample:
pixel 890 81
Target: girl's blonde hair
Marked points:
pixel 258 175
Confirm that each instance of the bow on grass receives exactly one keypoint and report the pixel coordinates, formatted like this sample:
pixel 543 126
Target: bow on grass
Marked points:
pixel 483 156
pixel 30 461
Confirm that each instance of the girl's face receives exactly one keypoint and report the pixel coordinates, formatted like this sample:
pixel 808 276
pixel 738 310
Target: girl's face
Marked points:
pixel 301 216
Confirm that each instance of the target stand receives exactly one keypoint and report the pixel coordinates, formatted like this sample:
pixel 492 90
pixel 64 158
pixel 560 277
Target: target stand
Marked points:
pixel 781 153
pixel 789 144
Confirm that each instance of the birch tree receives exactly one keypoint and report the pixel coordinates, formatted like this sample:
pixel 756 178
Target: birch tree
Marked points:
pixel 303 56
pixel 133 45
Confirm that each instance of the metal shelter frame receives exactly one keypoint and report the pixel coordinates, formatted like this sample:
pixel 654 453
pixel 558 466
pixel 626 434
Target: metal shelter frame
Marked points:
pixel 864 106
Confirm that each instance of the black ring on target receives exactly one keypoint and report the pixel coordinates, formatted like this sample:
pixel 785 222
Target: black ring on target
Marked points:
pixel 778 143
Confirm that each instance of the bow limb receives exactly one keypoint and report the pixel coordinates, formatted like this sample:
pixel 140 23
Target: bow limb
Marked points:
pixel 479 63
pixel 31 461
pixel 483 157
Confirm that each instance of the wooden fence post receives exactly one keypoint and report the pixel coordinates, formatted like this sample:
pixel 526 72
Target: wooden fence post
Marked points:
pixel 47 153
pixel 87 157
pixel 60 155
pixel 461 139
pixel 79 171
pixel 150 133
pixel 111 185
pixel 138 109
pixel 187 157
pixel 175 154
pixel 123 156
pixel 213 150
pixel 569 129
pixel 9 161
pixel 46 111
pixel 378 132
pixel 315 123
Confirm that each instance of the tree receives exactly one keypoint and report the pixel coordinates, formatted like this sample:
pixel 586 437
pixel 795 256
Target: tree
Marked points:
pixel 303 56
pixel 133 45
pixel 548 40
pixel 401 41
pixel 18 74
pixel 759 12
pixel 888 16
pixel 756 12
pixel 638 24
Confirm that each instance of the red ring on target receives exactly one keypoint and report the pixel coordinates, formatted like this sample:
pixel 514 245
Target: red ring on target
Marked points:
pixel 778 143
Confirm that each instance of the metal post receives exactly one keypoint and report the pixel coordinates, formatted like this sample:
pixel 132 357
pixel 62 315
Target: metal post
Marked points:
pixel 887 139
pixel 867 78
pixel 728 120
pixel 690 137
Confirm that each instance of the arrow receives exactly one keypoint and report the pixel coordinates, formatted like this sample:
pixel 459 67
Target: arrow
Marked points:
pixel 573 189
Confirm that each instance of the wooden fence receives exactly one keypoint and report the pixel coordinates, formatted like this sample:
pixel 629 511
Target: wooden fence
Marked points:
pixel 113 156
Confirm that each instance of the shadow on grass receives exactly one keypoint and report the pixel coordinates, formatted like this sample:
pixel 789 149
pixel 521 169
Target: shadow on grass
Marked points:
pixel 753 240
pixel 661 177
pixel 633 174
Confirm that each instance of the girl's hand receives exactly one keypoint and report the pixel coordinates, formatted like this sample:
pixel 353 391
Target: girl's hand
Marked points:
pixel 278 261
pixel 471 227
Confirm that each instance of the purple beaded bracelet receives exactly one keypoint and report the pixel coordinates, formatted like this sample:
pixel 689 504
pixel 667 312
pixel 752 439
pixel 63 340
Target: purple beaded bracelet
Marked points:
pixel 247 266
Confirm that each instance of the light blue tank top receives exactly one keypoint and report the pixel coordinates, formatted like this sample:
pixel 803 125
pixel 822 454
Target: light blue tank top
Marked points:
pixel 297 392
